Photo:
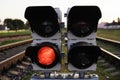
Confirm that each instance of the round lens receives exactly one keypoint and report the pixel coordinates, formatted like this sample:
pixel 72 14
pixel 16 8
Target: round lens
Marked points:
pixel 81 29
pixel 46 55
pixel 80 57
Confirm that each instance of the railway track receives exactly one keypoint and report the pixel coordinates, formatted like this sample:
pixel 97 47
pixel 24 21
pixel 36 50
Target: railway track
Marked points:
pixel 17 71
pixel 109 45
pixel 11 53
pixel 13 63
pixel 110 60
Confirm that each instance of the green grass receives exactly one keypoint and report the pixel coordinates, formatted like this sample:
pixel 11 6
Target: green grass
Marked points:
pixel 109 33
pixel 13 32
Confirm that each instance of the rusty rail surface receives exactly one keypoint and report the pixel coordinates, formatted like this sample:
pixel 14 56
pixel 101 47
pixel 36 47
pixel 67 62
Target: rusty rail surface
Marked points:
pixel 12 60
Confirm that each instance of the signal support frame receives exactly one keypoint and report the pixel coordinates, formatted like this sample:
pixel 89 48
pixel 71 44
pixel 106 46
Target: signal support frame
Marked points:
pixel 64 76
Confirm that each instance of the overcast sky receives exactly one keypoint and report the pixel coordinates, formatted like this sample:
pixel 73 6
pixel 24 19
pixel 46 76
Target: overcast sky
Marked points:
pixel 16 8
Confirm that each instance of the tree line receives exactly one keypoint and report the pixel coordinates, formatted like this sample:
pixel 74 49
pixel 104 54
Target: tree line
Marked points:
pixel 15 24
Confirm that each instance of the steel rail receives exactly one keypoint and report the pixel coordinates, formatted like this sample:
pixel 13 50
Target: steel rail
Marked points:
pixel 4 47
pixel 108 40
pixel 12 60
pixel 114 59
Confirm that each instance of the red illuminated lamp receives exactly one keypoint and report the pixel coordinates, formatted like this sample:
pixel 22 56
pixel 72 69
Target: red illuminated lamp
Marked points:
pixel 46 55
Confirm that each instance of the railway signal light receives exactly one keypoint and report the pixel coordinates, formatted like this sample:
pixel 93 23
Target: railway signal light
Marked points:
pixel 45 51
pixel 81 33
pixel 46 55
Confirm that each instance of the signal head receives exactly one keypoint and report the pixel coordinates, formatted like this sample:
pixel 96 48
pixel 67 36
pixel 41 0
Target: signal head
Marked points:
pixel 82 57
pixel 82 26
pixel 43 20
pixel 83 20
pixel 46 46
